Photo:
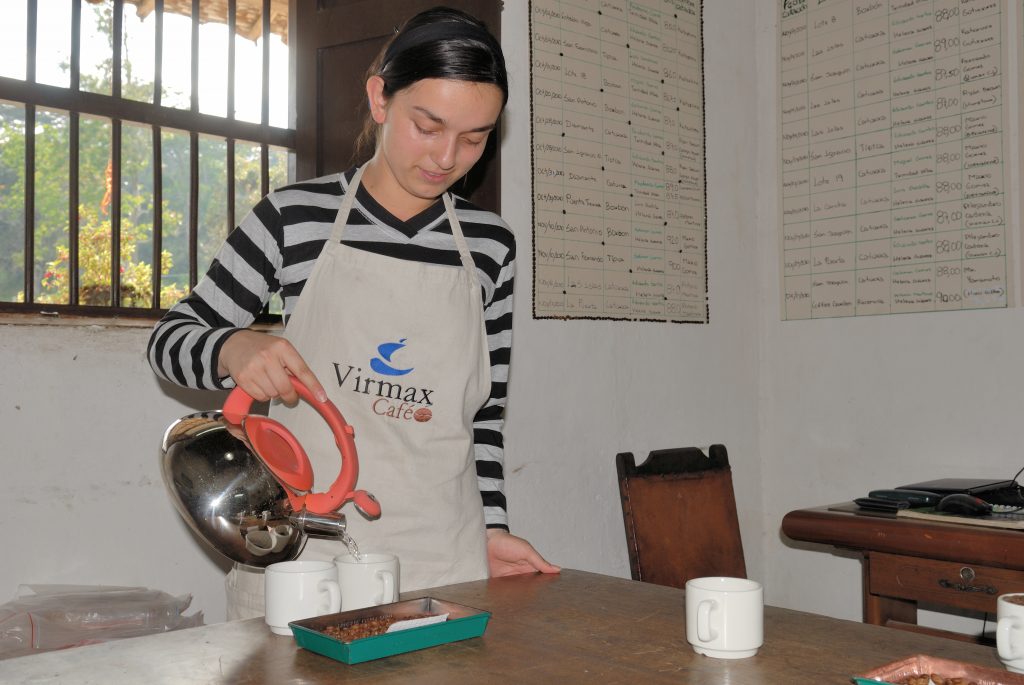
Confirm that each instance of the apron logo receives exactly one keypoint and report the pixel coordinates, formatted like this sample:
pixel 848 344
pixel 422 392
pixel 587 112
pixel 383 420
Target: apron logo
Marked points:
pixel 382 364
pixel 388 398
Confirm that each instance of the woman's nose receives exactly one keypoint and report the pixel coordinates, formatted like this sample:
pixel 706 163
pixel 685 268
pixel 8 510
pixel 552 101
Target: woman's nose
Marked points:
pixel 444 154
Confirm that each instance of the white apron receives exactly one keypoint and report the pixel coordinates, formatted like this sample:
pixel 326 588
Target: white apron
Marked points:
pixel 401 349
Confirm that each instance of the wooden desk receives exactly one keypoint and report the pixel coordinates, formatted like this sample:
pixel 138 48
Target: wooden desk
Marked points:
pixel 906 561
pixel 574 628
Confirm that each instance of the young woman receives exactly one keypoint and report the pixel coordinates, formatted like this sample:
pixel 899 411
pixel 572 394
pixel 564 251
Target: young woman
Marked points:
pixel 398 307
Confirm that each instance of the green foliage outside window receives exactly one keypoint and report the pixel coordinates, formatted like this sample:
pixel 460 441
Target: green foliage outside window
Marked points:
pixel 51 240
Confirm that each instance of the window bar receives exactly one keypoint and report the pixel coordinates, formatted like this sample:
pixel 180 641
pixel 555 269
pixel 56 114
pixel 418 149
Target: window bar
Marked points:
pixel 264 169
pixel 158 57
pixel 30 41
pixel 158 162
pixel 265 102
pixel 265 76
pixel 230 183
pixel 30 157
pixel 73 217
pixel 118 41
pixel 194 51
pixel 193 210
pixel 193 160
pixel 115 213
pixel 76 43
pixel 115 162
pixel 158 216
pixel 73 155
pixel 232 21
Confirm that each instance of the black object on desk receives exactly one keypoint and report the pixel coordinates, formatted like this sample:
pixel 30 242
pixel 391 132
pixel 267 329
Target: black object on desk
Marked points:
pixel 1005 492
pixel 962 504
pixel 879 504
pixel 915 498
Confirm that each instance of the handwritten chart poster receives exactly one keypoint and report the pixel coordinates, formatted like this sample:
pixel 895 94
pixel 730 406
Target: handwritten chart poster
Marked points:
pixel 1020 119
pixel 893 156
pixel 618 160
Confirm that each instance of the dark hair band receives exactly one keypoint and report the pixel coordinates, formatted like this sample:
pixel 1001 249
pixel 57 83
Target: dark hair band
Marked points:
pixel 429 33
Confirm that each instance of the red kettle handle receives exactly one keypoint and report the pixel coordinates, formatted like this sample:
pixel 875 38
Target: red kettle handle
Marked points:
pixel 237 407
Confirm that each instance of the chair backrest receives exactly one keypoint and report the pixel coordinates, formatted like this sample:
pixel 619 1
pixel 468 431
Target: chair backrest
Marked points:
pixel 680 515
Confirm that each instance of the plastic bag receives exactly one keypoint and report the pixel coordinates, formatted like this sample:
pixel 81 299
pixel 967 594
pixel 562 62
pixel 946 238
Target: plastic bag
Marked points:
pixel 47 617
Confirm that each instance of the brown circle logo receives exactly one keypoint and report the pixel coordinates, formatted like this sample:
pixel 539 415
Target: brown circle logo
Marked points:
pixel 422 414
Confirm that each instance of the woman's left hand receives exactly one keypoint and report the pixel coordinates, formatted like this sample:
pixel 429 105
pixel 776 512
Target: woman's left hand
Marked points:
pixel 508 555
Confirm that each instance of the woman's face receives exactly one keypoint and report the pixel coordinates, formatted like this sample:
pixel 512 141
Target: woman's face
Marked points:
pixel 431 134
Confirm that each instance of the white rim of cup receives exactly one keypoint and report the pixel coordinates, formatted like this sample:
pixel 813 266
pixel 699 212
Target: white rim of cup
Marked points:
pixel 724 584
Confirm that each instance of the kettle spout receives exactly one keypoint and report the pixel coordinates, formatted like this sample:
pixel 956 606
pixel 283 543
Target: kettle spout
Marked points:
pixel 332 524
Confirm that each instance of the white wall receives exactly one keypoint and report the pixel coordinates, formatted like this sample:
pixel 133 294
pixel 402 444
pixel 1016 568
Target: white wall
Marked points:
pixel 849 405
pixel 81 420
pixel 582 391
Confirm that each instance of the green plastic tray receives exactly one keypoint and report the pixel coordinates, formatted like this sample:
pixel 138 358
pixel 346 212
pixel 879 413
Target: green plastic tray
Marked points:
pixel 463 623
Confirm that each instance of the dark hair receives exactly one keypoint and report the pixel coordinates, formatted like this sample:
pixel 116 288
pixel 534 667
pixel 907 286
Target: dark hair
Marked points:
pixel 440 43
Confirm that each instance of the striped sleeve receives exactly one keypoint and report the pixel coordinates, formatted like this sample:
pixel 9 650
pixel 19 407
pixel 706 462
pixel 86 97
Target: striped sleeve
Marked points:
pixel 185 345
pixel 489 421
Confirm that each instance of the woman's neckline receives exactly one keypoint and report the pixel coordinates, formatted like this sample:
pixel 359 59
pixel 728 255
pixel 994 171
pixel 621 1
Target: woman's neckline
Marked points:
pixel 411 226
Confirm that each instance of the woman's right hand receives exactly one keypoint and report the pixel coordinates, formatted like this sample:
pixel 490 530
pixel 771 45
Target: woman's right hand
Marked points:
pixel 260 364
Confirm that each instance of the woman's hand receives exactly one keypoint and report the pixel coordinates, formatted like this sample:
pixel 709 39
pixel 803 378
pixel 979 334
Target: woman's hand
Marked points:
pixel 508 555
pixel 261 363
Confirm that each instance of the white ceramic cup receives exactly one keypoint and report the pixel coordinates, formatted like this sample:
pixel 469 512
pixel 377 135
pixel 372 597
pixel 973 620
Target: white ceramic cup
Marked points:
pixel 1010 631
pixel 300 589
pixel 369 581
pixel 725 616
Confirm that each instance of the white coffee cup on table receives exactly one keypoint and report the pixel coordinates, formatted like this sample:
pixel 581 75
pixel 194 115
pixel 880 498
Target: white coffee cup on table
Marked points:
pixel 725 616
pixel 300 589
pixel 1010 631
pixel 368 581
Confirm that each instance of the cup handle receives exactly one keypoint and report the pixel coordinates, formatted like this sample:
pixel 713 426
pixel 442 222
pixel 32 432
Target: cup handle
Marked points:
pixel 1004 627
pixel 704 631
pixel 387 595
pixel 333 591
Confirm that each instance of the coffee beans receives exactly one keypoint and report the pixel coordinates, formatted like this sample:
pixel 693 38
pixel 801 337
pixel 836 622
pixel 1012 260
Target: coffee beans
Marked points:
pixel 367 627
pixel 933 679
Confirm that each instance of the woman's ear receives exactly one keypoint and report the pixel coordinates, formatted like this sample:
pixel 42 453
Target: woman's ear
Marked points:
pixel 377 100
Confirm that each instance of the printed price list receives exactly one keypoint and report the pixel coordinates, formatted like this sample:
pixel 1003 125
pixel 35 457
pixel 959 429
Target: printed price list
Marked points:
pixel 618 160
pixel 892 156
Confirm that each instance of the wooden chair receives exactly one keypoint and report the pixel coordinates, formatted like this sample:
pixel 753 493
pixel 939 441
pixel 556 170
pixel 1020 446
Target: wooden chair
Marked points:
pixel 680 515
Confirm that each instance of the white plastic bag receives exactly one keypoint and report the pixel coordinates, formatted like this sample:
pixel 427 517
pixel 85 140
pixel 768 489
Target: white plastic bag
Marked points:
pixel 47 617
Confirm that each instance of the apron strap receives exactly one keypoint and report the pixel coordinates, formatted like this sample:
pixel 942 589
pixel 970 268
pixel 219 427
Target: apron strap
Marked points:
pixel 348 201
pixel 460 240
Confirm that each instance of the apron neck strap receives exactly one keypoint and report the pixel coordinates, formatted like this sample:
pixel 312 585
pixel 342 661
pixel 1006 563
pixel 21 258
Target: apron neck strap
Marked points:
pixel 349 199
pixel 460 240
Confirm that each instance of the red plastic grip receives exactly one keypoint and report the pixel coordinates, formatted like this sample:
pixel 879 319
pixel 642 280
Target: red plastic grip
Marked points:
pixel 237 406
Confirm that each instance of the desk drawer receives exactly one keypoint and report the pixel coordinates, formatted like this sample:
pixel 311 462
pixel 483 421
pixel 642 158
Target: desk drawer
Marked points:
pixel 968 586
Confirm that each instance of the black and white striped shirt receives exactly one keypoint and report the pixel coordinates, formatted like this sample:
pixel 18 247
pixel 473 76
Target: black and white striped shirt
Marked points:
pixel 274 249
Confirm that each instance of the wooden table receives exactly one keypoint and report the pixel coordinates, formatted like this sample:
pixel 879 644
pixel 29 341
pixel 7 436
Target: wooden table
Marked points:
pixel 906 561
pixel 574 628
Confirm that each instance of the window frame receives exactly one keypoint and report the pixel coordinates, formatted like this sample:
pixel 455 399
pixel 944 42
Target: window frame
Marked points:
pixel 76 102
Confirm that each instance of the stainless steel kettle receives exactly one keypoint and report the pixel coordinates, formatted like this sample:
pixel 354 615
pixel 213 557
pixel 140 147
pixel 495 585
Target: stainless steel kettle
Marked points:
pixel 243 483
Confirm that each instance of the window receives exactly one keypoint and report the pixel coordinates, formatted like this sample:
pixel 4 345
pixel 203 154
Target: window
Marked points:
pixel 133 136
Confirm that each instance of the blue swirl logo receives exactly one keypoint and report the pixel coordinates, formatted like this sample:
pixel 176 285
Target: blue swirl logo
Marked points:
pixel 382 363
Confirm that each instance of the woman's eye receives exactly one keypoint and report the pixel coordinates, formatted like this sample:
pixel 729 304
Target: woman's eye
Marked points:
pixel 424 131
pixel 474 142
